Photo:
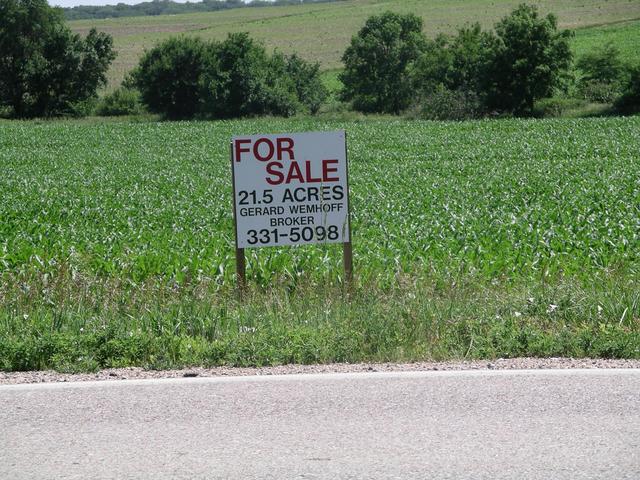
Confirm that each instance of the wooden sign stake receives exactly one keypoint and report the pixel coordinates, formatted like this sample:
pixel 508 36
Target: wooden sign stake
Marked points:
pixel 347 250
pixel 241 267
pixel 347 259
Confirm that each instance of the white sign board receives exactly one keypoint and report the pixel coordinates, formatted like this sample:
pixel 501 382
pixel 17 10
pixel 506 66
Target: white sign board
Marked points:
pixel 290 189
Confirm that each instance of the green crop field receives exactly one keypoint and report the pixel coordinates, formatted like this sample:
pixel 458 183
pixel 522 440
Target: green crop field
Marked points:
pixel 476 239
pixel 322 32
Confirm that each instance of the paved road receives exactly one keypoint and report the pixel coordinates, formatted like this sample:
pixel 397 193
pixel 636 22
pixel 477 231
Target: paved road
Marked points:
pixel 571 424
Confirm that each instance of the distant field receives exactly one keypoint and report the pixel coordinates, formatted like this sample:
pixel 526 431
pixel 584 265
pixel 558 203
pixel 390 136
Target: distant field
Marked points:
pixel 624 35
pixel 475 240
pixel 321 32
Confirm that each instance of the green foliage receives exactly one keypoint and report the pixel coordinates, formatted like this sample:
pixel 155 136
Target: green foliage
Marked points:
pixel 531 59
pixel 169 75
pixel 44 68
pixel 602 65
pixel 629 101
pixel 455 62
pixel 402 323
pixel 186 77
pixel 444 104
pixel 556 106
pixel 448 75
pixel 122 101
pixel 474 71
pixel 477 239
pixel 376 63
pixel 240 80
pixel 603 74
pixel 499 198
pixel 309 86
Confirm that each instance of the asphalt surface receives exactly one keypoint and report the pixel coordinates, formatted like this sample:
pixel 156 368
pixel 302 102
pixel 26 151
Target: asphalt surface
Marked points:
pixel 573 424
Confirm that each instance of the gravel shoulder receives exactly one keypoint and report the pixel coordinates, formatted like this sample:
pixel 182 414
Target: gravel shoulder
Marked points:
pixel 134 373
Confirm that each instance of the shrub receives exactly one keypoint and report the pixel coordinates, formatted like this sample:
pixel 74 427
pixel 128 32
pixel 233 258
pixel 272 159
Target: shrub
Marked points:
pixel 169 75
pixel 596 91
pixel 310 89
pixel 603 74
pixel 184 78
pixel 122 101
pixel 455 62
pixel 241 80
pixel 556 106
pixel 45 69
pixel 602 65
pixel 629 101
pixel 530 59
pixel 376 62
pixel 445 104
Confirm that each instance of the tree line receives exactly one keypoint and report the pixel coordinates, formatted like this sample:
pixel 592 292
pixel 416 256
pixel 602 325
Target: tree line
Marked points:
pixel 168 7
pixel 390 67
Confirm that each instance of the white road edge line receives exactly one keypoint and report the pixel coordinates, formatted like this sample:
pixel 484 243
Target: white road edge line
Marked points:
pixel 320 376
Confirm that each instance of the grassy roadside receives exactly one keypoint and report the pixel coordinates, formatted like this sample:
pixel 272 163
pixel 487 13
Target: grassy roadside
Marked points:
pixel 83 325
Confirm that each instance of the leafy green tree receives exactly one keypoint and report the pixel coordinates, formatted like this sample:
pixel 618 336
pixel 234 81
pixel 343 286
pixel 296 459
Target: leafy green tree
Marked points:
pixel 602 64
pixel 629 101
pixel 603 74
pixel 454 62
pixel 376 63
pixel 45 69
pixel 169 77
pixel 122 101
pixel 308 85
pixel 531 58
pixel 241 80
pixel 187 77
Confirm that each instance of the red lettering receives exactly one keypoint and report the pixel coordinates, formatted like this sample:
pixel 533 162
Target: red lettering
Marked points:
pixel 294 173
pixel 285 145
pixel 240 150
pixel 326 170
pixel 270 149
pixel 273 169
pixel 310 178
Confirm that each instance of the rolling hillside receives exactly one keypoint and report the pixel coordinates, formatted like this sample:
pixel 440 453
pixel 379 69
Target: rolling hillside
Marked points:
pixel 321 32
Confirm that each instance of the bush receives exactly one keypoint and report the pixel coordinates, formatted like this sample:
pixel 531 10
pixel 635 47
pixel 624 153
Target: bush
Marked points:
pixel 185 78
pixel 596 91
pixel 376 63
pixel 445 104
pixel 629 102
pixel 45 69
pixel 530 59
pixel 169 75
pixel 475 72
pixel 556 106
pixel 603 74
pixel 602 65
pixel 122 101
pixel 457 63
pixel 241 80
pixel 310 89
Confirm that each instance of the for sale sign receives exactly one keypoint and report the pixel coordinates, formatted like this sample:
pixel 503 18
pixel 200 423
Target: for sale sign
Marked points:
pixel 290 189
